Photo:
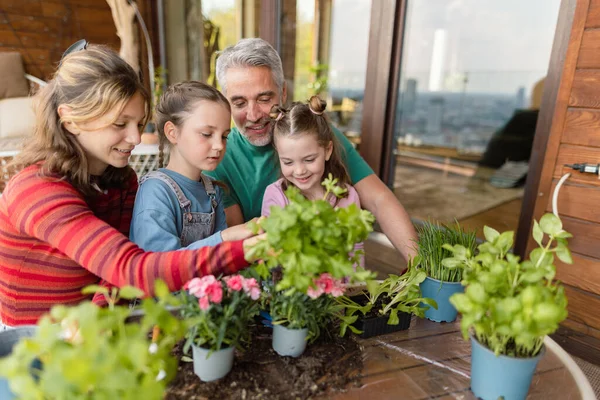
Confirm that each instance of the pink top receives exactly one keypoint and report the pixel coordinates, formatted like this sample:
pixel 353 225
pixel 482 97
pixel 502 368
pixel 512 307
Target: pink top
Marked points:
pixel 274 196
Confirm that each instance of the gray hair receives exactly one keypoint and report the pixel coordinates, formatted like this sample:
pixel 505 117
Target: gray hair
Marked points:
pixel 250 52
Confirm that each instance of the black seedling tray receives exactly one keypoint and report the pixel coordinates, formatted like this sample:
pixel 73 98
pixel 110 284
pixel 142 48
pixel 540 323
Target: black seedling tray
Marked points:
pixel 377 325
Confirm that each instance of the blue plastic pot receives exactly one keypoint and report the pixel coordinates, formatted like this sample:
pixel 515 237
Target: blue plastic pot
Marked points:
pixel 494 377
pixel 8 340
pixel 440 292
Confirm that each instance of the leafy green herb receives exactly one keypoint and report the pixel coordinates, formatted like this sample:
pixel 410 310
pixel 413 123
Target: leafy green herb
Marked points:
pixel 307 238
pixel 397 293
pixel 511 305
pixel 91 352
pixel 432 237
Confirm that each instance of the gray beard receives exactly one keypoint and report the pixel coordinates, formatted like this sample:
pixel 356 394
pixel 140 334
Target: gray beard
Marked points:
pixel 259 142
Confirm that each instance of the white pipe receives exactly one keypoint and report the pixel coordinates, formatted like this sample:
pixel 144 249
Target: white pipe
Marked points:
pixel 555 194
pixel 585 389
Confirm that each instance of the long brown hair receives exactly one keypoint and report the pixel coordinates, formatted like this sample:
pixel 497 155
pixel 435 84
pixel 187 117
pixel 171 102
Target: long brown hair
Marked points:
pixel 309 118
pixel 177 103
pixel 91 82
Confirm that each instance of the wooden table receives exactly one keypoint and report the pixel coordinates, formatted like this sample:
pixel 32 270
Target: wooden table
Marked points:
pixel 432 361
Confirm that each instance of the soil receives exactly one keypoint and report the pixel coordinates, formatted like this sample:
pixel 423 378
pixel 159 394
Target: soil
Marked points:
pixel 329 365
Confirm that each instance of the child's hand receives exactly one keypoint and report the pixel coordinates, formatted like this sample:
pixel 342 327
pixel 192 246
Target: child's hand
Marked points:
pixel 239 232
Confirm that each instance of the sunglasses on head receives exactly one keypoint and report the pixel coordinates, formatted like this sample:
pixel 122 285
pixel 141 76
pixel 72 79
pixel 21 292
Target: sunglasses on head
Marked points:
pixel 75 47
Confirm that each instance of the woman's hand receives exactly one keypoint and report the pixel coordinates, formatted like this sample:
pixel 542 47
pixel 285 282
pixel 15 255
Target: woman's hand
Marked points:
pixel 240 232
pixel 251 242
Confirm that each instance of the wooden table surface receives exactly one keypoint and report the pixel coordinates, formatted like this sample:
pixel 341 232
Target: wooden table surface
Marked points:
pixel 432 361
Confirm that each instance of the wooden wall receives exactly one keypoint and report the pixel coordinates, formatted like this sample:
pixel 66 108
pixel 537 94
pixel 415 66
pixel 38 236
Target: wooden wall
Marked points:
pixel 574 137
pixel 41 30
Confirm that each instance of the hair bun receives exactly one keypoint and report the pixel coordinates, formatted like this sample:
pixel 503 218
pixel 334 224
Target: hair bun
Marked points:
pixel 317 105
pixel 277 112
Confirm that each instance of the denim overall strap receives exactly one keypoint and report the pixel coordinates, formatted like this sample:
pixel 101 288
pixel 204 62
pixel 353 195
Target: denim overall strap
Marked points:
pixel 184 202
pixel 210 190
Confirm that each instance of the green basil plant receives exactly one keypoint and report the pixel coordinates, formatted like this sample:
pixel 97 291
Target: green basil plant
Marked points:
pixel 86 352
pixel 509 305
pixel 308 238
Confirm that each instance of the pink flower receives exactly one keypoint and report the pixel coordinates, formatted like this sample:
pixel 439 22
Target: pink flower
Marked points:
pixel 214 292
pixel 203 303
pixel 337 291
pixel 314 292
pixel 326 284
pixel 326 281
pixel 197 286
pixel 235 282
pixel 251 288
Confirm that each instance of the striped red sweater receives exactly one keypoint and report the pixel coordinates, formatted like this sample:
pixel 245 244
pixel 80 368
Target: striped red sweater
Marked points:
pixel 53 243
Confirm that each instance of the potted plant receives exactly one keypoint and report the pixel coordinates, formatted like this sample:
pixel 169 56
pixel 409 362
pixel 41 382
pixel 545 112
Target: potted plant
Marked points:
pixel 509 306
pixel 308 238
pixel 221 310
pixel 385 306
pixel 91 352
pixel 443 275
pixel 298 318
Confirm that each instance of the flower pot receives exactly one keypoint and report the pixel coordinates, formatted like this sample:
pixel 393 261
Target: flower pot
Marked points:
pixel 214 366
pixel 8 340
pixel 494 377
pixel 289 342
pixel 440 292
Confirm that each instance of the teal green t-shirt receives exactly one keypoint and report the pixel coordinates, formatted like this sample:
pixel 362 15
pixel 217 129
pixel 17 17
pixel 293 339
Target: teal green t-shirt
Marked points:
pixel 247 170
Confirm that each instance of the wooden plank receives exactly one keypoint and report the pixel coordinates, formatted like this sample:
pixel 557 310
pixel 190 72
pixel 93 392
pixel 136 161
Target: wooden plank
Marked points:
pixel 586 236
pixel 583 307
pixel 584 273
pixel 586 89
pixel 577 201
pixel 551 120
pixel 584 330
pixel 593 18
pixel 55 10
pixel 25 7
pixel 581 127
pixel 584 345
pixel 26 23
pixel 569 155
pixel 589 56
pixel 84 14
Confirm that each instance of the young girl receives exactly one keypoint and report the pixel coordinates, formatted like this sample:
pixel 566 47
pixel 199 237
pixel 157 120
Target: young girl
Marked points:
pixel 64 219
pixel 308 153
pixel 178 206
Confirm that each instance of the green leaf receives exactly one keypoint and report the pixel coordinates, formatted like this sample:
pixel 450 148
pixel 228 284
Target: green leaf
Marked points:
pixel 92 289
pixel 538 235
pixel 130 292
pixel 550 224
pixel 564 254
pixel 476 293
pixel 452 263
pixel 490 233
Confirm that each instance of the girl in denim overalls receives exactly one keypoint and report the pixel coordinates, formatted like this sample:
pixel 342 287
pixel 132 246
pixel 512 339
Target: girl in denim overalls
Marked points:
pixel 178 207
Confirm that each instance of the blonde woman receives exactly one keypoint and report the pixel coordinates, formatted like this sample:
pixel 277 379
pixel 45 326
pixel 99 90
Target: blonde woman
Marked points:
pixel 64 219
